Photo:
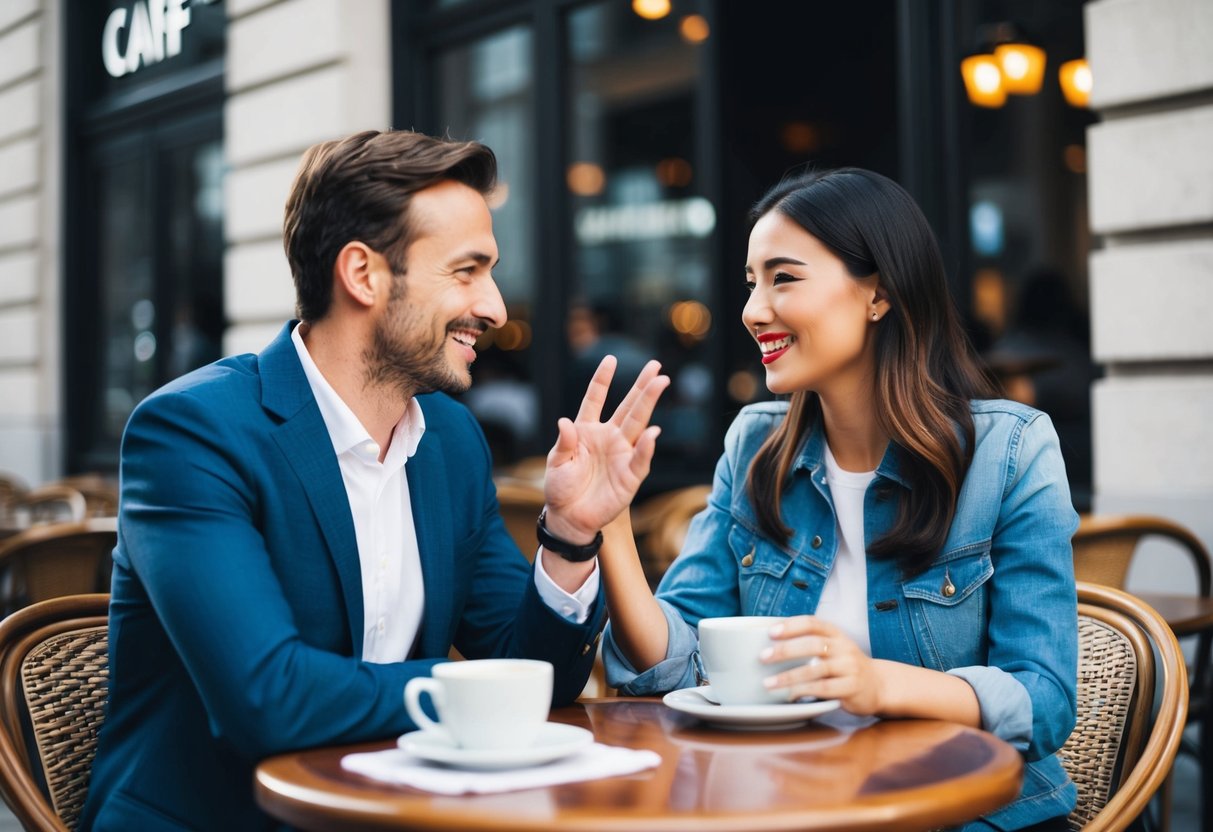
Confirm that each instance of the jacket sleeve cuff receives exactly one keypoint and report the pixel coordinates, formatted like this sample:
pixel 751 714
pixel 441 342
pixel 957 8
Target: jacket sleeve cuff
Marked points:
pixel 1006 708
pixel 681 667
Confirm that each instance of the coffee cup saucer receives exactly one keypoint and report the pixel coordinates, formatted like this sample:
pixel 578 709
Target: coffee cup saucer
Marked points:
pixel 553 741
pixel 697 702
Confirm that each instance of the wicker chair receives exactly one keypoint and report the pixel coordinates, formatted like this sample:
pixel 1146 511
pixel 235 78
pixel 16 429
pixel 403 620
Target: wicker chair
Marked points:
pixel 54 679
pixel 58 559
pixel 11 487
pixel 48 504
pixel 1116 756
pixel 661 523
pixel 1104 548
pixel 100 493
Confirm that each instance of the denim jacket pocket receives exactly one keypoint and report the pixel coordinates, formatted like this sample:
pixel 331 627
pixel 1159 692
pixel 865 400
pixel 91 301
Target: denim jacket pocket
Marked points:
pixel 761 569
pixel 947 606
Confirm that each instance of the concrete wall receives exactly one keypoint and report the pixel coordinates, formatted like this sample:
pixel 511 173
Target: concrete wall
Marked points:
pixel 1151 196
pixel 30 413
pixel 298 72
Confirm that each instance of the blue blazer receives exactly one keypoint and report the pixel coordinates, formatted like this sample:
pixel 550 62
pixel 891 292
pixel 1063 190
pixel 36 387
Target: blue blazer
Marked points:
pixel 236 616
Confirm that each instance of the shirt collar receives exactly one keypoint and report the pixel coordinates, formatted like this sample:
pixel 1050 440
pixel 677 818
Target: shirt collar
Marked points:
pixel 346 432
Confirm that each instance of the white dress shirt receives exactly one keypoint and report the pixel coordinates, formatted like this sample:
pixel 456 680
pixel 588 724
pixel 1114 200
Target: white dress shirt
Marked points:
pixel 393 592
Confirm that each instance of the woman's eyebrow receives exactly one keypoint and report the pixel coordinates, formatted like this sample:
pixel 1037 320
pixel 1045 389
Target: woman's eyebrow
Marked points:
pixel 777 261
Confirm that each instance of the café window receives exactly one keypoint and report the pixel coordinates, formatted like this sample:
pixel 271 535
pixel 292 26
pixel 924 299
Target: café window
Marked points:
pixel 144 173
pixel 640 224
pixel 605 228
pixel 486 92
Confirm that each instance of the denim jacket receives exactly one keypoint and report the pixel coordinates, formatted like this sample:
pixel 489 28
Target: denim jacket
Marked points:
pixel 1006 623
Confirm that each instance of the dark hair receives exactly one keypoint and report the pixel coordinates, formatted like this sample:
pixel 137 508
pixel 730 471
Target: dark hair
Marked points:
pixel 926 369
pixel 359 188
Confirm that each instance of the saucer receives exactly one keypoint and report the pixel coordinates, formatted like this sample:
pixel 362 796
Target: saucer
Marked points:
pixel 554 740
pixel 691 701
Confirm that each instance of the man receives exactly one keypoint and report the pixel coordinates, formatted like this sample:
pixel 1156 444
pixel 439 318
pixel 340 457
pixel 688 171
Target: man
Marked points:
pixel 304 530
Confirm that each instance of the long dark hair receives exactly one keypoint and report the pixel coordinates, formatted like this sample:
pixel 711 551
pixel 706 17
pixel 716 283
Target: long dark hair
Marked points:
pixel 926 368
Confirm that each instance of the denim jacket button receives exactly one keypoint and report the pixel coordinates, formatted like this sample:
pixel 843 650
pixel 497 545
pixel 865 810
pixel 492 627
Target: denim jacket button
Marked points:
pixel 748 559
pixel 816 542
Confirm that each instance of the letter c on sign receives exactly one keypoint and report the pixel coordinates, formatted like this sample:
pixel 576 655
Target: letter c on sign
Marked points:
pixel 115 63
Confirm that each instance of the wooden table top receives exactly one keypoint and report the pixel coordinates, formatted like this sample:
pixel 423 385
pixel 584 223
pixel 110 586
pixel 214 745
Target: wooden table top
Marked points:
pixel 891 775
pixel 1186 614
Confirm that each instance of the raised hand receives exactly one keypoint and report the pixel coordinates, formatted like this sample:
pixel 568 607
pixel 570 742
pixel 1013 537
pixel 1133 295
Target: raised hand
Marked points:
pixel 595 467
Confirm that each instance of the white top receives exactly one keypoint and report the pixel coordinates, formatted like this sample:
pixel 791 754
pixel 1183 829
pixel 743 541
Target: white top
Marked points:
pixel 844 598
pixel 393 592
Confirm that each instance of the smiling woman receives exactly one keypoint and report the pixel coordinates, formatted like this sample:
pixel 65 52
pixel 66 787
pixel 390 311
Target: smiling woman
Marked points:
pixel 910 532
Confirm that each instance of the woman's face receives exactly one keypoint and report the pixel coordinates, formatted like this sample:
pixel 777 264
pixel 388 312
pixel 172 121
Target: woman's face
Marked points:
pixel 812 320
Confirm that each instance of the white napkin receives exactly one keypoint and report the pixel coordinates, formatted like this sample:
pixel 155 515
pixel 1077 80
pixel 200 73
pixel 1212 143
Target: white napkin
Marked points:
pixel 395 765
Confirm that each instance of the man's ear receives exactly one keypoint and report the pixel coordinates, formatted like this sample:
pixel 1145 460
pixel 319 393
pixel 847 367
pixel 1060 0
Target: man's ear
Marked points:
pixel 353 273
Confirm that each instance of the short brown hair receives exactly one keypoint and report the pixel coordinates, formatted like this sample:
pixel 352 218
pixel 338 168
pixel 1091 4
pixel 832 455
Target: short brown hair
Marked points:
pixel 359 188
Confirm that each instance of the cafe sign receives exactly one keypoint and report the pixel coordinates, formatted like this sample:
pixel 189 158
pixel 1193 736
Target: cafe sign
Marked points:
pixel 153 34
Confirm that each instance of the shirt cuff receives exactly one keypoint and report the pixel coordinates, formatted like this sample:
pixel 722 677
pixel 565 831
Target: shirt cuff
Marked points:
pixel 576 606
pixel 1006 707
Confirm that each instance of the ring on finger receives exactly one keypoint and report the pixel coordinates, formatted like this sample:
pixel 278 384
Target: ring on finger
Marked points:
pixel 825 649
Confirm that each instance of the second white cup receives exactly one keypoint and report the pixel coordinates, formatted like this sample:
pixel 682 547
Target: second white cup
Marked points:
pixel 484 704
pixel 730 648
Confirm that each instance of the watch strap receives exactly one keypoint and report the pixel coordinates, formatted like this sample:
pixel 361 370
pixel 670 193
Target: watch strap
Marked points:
pixel 568 551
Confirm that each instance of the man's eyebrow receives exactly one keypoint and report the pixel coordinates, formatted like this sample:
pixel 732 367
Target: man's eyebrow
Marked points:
pixel 776 261
pixel 480 257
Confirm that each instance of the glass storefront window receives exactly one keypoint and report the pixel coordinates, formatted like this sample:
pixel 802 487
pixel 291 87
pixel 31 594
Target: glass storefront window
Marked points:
pixel 641 226
pixel 158 269
pixel 125 270
pixel 486 93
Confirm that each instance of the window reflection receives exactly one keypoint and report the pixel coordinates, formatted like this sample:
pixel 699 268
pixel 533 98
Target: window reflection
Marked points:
pixel 161 271
pixel 640 225
pixel 486 93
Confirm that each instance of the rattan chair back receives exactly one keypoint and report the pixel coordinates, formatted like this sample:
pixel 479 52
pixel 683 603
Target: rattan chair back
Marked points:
pixel 1104 546
pixel 58 559
pixel 54 680
pixel 1116 756
pixel 100 493
pixel 661 524
pixel 44 505
pixel 11 487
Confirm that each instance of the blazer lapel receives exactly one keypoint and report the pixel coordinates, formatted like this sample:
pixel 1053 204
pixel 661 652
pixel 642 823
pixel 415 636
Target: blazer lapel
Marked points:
pixel 305 442
pixel 431 518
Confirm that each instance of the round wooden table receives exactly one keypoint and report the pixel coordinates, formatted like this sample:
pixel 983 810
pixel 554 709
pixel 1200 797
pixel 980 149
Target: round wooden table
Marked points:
pixel 891 775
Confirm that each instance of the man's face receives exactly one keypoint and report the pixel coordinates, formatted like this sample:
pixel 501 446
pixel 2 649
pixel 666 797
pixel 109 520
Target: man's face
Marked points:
pixel 423 338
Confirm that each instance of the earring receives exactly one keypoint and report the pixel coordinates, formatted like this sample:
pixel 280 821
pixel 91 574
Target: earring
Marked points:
pixel 875 316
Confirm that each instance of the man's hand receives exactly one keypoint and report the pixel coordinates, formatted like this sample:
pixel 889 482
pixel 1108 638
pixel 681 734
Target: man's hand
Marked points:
pixel 595 467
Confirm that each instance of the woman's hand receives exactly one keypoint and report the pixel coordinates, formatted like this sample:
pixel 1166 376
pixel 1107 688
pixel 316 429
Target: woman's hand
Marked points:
pixel 595 467
pixel 834 668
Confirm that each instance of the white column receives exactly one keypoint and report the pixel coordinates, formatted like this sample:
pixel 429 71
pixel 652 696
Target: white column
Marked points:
pixel 1151 194
pixel 298 72
pixel 30 409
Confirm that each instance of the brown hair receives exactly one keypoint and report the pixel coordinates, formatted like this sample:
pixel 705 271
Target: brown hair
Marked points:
pixel 926 368
pixel 359 188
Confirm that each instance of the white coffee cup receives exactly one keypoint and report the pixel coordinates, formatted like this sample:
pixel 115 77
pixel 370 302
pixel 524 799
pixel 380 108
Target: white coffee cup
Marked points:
pixel 485 704
pixel 730 649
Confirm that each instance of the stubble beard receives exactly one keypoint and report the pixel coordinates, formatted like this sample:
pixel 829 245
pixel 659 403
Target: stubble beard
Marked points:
pixel 398 359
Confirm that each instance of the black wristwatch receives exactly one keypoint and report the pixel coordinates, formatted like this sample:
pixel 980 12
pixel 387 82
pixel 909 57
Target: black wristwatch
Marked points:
pixel 566 550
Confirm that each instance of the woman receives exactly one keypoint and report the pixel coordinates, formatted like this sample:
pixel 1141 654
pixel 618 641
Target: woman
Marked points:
pixel 913 530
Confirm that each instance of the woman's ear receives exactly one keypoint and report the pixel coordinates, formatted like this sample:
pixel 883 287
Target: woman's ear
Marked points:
pixel 879 305
pixel 353 273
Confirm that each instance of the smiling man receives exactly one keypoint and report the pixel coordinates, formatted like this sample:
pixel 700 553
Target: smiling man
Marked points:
pixel 304 530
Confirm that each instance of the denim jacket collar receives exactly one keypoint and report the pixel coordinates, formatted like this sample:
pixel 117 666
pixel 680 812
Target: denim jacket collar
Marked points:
pixel 812 458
